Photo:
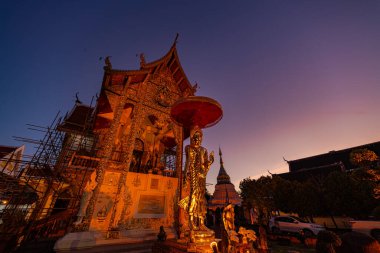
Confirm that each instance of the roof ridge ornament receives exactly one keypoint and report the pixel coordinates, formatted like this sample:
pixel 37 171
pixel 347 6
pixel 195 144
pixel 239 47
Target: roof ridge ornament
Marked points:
pixel 107 61
pixel 195 87
pixel 176 39
pixel 142 60
pixel 77 101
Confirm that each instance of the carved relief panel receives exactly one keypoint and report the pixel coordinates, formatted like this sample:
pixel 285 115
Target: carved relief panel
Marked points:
pixel 105 201
pixel 162 90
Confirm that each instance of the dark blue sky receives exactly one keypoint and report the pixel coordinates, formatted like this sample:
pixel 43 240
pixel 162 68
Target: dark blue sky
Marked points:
pixel 295 78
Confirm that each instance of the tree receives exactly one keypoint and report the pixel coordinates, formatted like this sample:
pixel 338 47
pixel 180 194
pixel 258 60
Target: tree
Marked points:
pixel 363 157
pixel 307 199
pixel 369 171
pixel 336 194
pixel 259 193
pixel 344 195
pixel 283 194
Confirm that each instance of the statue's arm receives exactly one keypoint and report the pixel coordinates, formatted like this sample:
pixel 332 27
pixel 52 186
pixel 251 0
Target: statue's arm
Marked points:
pixel 209 160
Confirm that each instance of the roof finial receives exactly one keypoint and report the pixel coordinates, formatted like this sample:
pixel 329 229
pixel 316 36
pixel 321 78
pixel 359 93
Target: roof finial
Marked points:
pixel 221 159
pixel 176 38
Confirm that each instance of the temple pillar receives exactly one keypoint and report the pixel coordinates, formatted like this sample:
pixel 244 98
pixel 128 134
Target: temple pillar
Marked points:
pixel 106 153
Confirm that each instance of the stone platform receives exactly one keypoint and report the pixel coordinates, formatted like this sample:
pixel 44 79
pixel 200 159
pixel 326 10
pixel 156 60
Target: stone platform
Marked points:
pixel 138 241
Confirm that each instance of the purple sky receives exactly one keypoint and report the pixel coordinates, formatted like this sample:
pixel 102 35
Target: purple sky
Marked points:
pixel 295 78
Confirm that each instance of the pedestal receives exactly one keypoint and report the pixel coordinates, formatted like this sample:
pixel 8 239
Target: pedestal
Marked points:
pixel 179 246
pixel 203 241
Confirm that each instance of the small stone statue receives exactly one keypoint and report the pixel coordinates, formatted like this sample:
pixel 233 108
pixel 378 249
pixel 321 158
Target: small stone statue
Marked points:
pixel 161 235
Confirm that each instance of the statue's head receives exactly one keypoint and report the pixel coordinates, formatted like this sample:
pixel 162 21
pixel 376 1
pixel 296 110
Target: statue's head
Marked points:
pixel 196 137
pixel 229 209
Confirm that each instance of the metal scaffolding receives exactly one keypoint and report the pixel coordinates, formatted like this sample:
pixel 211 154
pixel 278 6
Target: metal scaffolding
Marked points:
pixel 40 198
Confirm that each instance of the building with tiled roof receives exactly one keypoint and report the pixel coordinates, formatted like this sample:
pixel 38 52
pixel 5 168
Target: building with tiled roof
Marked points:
pixel 323 164
pixel 10 158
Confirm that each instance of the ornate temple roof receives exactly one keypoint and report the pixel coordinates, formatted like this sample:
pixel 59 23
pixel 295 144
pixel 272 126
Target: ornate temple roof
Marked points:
pixel 115 80
pixel 75 120
pixel 170 61
pixel 225 192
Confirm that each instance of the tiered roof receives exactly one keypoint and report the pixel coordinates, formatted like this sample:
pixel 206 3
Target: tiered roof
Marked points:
pixel 321 165
pixel 170 60
pixel 115 79
pixel 332 157
pixel 76 120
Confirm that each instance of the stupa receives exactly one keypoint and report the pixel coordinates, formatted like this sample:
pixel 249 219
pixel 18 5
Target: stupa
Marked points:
pixel 225 192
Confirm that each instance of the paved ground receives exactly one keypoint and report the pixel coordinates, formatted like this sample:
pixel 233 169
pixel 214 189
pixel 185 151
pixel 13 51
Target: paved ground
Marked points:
pixel 290 244
pixel 300 248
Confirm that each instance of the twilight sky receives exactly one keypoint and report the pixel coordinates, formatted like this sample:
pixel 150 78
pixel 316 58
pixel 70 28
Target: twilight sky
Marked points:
pixel 295 78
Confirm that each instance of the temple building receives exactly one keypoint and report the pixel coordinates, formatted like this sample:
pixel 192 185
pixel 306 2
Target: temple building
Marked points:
pixel 139 150
pixel 225 192
pixel 9 160
pixel 109 170
pixel 322 164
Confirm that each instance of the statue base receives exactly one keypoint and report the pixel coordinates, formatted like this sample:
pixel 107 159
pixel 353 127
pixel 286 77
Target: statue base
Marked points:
pixel 200 241
pixel 181 246
pixel 202 236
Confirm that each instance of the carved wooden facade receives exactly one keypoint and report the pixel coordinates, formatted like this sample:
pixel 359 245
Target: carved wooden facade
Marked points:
pixel 140 147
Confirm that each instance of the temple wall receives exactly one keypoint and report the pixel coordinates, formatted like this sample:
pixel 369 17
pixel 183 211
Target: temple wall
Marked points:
pixel 146 201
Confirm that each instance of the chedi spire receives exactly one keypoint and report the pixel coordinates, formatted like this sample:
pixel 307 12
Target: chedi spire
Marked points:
pixel 223 177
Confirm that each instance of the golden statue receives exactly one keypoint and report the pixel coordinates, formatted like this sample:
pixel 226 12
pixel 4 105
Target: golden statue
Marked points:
pixel 195 113
pixel 241 241
pixel 229 217
pixel 229 225
pixel 197 165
